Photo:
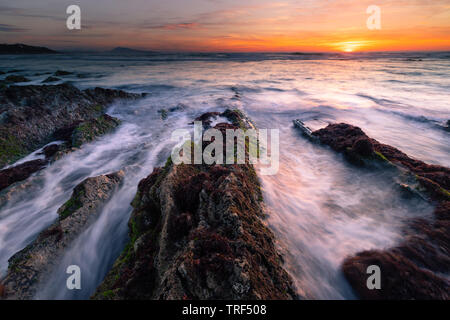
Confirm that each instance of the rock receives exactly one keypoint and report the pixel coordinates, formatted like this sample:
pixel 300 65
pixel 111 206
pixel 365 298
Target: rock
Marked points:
pixel 60 73
pixel 306 131
pixel 31 266
pixel 417 267
pixel 401 278
pixel 50 150
pixel 51 79
pixel 20 172
pixel 363 147
pixel 31 115
pixel 89 130
pixel 164 113
pixel 178 107
pixel 14 78
pixel 207 116
pixel 196 232
pixel 75 136
pixel 340 136
pixel 447 126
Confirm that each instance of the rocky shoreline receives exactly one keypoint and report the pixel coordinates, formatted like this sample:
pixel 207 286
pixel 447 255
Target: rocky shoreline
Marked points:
pixel 196 232
pixel 31 116
pixel 416 268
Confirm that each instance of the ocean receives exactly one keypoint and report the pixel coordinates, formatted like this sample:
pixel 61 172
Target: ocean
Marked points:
pixel 320 208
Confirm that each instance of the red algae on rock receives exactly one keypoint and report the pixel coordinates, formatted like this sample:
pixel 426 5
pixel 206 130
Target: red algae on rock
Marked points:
pixel 196 232
pixel 416 268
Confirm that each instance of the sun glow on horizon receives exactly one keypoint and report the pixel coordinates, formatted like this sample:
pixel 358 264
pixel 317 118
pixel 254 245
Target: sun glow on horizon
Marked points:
pixel 349 46
pixel 234 26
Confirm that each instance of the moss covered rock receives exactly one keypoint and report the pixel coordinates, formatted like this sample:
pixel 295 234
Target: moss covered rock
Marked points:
pixel 89 130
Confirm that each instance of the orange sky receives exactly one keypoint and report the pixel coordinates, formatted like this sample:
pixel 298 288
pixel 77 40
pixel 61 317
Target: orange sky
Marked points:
pixel 231 25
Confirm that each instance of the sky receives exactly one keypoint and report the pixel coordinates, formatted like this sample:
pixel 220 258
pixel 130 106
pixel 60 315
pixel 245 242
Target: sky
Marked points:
pixel 229 25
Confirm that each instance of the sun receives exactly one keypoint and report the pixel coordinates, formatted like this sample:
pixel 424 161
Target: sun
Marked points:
pixel 348 46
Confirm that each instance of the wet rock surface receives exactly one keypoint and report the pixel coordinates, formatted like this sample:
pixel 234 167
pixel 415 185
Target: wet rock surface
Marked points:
pixel 418 268
pixel 24 170
pixel 50 79
pixel 196 232
pixel 74 136
pixel 20 172
pixel 89 130
pixel 31 116
pixel 29 267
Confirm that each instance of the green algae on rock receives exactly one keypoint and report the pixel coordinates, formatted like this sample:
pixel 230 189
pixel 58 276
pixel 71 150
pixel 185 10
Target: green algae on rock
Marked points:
pixel 89 130
pixel 32 116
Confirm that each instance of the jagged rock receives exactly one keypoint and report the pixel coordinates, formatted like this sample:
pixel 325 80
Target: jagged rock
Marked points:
pixel 417 268
pixel 49 151
pixel 30 115
pixel 164 113
pixel 306 131
pixel 206 118
pixel 51 79
pixel 30 267
pixel 363 147
pixel 196 232
pixel 20 172
pixel 75 136
pixel 89 130
pixel 59 73
pixel 15 78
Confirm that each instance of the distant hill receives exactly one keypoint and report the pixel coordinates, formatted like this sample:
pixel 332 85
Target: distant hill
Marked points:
pixel 129 51
pixel 23 49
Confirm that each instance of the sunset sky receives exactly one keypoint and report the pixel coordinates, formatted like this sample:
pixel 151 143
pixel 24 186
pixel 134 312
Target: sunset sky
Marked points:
pixel 229 25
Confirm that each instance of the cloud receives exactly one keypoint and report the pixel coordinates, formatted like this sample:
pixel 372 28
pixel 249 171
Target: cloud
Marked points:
pixel 10 28
pixel 176 26
pixel 29 13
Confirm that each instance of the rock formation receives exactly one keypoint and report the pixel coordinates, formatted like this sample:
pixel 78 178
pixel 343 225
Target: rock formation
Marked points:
pixel 31 116
pixel 30 266
pixel 196 232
